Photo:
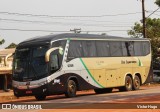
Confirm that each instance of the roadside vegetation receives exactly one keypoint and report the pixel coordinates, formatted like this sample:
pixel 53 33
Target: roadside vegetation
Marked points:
pixel 152 33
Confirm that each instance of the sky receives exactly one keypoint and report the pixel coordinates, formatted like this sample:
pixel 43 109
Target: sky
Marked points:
pixel 24 19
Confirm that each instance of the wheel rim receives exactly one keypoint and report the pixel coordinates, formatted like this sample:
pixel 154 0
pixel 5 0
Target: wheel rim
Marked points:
pixel 71 88
pixel 136 82
pixel 128 83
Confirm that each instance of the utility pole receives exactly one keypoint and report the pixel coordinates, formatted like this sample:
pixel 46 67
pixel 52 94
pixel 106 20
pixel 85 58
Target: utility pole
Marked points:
pixel 144 19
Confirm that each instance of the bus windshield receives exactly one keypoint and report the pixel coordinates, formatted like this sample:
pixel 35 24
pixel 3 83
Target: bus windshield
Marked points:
pixel 29 63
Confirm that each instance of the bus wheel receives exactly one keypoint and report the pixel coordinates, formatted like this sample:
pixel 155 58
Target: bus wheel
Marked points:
pixel 71 89
pixel 105 90
pixel 128 84
pixel 40 97
pixel 136 83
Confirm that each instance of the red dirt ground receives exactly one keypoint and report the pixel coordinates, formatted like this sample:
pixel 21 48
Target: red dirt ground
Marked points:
pixel 151 99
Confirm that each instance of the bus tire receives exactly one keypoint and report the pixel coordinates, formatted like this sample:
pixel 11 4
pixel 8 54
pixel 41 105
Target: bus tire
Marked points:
pixel 40 97
pixel 105 90
pixel 71 89
pixel 128 84
pixel 136 83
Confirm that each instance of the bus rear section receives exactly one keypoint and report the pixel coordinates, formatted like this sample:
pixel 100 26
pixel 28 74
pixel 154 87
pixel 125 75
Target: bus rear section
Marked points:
pixel 111 63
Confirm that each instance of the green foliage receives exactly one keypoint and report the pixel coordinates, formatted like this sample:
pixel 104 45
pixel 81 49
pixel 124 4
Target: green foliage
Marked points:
pixel 104 34
pixel 157 2
pixel 12 45
pixel 152 32
pixel 136 31
pixel 2 41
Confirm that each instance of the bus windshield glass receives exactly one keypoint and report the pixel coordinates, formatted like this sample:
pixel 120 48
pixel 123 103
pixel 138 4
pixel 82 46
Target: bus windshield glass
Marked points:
pixel 29 63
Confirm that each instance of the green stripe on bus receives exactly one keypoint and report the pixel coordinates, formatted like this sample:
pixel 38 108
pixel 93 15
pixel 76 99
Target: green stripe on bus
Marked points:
pixel 69 39
pixel 90 73
pixel 139 62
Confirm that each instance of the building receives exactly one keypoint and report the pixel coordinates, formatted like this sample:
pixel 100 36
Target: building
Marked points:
pixel 6 59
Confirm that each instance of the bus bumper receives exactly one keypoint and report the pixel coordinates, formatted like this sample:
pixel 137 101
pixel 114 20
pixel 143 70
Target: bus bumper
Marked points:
pixel 30 91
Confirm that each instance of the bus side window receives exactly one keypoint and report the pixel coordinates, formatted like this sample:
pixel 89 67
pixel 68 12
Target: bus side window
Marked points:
pixel 138 48
pixel 102 48
pixel 125 49
pixel 115 48
pixel 54 64
pixel 61 43
pixel 146 48
pixel 129 46
pixel 56 44
pixel 75 50
pixel 89 48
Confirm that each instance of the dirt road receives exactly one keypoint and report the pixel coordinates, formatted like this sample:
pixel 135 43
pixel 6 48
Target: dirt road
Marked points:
pixel 147 99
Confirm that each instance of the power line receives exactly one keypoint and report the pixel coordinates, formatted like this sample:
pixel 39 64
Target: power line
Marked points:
pixel 60 23
pixel 50 23
pixel 17 20
pixel 107 31
pixel 57 31
pixel 31 30
pixel 50 16
pixel 66 17
pixel 153 12
pixel 45 22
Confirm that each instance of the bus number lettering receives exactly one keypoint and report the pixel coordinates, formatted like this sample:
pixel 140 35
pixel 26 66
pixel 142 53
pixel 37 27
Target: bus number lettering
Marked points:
pixel 70 65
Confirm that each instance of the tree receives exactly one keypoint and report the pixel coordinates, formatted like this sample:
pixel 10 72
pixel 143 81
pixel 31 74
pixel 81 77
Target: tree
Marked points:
pixel 104 34
pixel 137 31
pixel 2 41
pixel 157 2
pixel 152 32
pixel 12 45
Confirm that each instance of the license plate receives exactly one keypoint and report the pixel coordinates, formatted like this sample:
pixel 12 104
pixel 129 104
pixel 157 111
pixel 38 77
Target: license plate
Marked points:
pixel 28 92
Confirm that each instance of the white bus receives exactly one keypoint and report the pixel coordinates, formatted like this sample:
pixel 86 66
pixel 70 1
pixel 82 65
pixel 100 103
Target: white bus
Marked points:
pixel 66 63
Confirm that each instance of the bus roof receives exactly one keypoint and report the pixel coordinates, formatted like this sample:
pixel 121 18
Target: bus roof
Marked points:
pixel 49 38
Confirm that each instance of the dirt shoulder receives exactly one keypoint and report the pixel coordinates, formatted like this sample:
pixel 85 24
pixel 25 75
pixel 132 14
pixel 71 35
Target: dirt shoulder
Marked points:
pixel 9 96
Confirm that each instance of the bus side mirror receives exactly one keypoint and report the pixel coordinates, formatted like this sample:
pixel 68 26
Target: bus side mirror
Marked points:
pixel 47 55
pixel 6 58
